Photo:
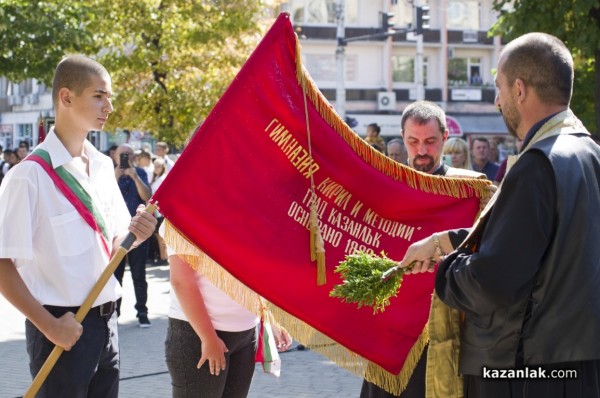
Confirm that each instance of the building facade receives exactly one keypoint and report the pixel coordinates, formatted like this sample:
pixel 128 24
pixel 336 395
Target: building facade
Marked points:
pixel 378 76
pixel 22 106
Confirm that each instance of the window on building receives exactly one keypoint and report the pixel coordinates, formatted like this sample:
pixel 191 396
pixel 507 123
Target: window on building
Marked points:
pixel 4 84
pixel 322 67
pixel 25 133
pixel 404 12
pixel 403 69
pixel 464 71
pixel 321 12
pixel 6 136
pixel 463 14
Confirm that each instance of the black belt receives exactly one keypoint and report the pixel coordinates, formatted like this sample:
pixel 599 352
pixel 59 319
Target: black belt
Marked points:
pixel 105 309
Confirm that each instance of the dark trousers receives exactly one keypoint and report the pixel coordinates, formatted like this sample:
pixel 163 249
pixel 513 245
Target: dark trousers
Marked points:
pixel 137 265
pixel 183 349
pixel 90 369
pixel 414 389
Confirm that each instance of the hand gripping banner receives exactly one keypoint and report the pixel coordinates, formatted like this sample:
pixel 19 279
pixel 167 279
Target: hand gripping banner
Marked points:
pixel 241 193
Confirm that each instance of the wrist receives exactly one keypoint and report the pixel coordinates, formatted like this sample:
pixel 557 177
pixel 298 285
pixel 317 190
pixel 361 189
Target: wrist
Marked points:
pixel 437 245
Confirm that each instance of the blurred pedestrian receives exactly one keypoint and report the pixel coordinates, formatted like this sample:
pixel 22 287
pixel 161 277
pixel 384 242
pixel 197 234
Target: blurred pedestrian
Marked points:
pixel 396 150
pixel 480 150
pixel 162 151
pixel 373 137
pixel 134 187
pixel 458 151
pixel 157 248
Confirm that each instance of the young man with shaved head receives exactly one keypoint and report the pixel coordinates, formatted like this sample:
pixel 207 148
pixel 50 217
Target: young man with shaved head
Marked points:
pixel 72 217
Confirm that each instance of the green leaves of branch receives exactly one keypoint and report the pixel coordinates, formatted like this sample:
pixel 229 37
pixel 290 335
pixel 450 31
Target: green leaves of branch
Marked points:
pixel 362 274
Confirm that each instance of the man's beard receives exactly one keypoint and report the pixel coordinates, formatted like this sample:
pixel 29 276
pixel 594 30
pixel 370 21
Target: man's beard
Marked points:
pixel 511 123
pixel 424 167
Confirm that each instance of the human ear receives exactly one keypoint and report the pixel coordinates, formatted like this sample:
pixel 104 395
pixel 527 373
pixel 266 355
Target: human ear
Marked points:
pixel 521 90
pixel 64 96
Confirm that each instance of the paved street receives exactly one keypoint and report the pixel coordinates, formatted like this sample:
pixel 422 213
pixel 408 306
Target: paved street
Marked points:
pixel 143 370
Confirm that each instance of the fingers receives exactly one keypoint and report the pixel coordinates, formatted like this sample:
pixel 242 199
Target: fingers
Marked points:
pixel 68 332
pixel 143 224
pixel 421 256
pixel 420 266
pixel 283 340
pixel 215 365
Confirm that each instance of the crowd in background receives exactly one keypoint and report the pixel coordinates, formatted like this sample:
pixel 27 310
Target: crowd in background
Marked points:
pixel 482 154
pixel 10 157
pixel 156 165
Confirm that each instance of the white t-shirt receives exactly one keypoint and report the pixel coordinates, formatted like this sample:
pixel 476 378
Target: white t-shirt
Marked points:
pixel 169 163
pixel 224 312
pixel 156 183
pixel 58 255
pixel 5 167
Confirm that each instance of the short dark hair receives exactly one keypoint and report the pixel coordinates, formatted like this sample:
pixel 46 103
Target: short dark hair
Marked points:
pixel 482 139
pixel 543 62
pixel 74 73
pixel 375 127
pixel 422 112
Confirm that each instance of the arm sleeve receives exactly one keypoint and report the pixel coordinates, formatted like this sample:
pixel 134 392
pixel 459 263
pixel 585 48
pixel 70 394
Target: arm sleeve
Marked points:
pixel 18 208
pixel 457 236
pixel 512 246
pixel 501 171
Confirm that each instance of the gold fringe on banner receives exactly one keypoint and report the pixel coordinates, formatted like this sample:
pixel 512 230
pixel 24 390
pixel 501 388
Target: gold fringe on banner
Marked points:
pixel 455 187
pixel 298 329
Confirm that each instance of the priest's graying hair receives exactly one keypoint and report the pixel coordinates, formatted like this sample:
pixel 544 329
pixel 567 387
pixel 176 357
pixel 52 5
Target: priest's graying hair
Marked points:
pixel 422 112
pixel 543 62
pixel 74 72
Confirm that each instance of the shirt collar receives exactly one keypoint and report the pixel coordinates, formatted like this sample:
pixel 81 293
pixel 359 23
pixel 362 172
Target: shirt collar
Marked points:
pixel 59 156
pixel 441 170
pixel 534 130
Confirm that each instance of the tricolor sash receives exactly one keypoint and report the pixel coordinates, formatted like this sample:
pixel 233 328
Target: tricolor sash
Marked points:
pixel 68 185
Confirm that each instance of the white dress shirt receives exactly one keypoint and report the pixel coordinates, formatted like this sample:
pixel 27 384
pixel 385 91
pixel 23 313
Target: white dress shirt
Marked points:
pixel 58 255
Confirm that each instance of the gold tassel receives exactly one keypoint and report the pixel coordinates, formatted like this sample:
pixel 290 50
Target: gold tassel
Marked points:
pixel 314 230
pixel 320 248
pixel 317 246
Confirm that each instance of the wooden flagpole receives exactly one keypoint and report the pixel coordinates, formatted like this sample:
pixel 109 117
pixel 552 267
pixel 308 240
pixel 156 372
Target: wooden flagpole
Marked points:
pixel 39 379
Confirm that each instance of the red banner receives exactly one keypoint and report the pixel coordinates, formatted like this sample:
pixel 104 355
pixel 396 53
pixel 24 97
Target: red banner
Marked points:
pixel 241 192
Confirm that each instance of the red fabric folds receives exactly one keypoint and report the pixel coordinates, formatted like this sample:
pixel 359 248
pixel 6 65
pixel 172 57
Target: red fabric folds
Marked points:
pixel 240 191
pixel 41 131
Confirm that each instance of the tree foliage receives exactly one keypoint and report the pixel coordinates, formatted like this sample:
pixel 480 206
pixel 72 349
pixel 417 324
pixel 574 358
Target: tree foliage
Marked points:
pixel 34 36
pixel 577 24
pixel 170 60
